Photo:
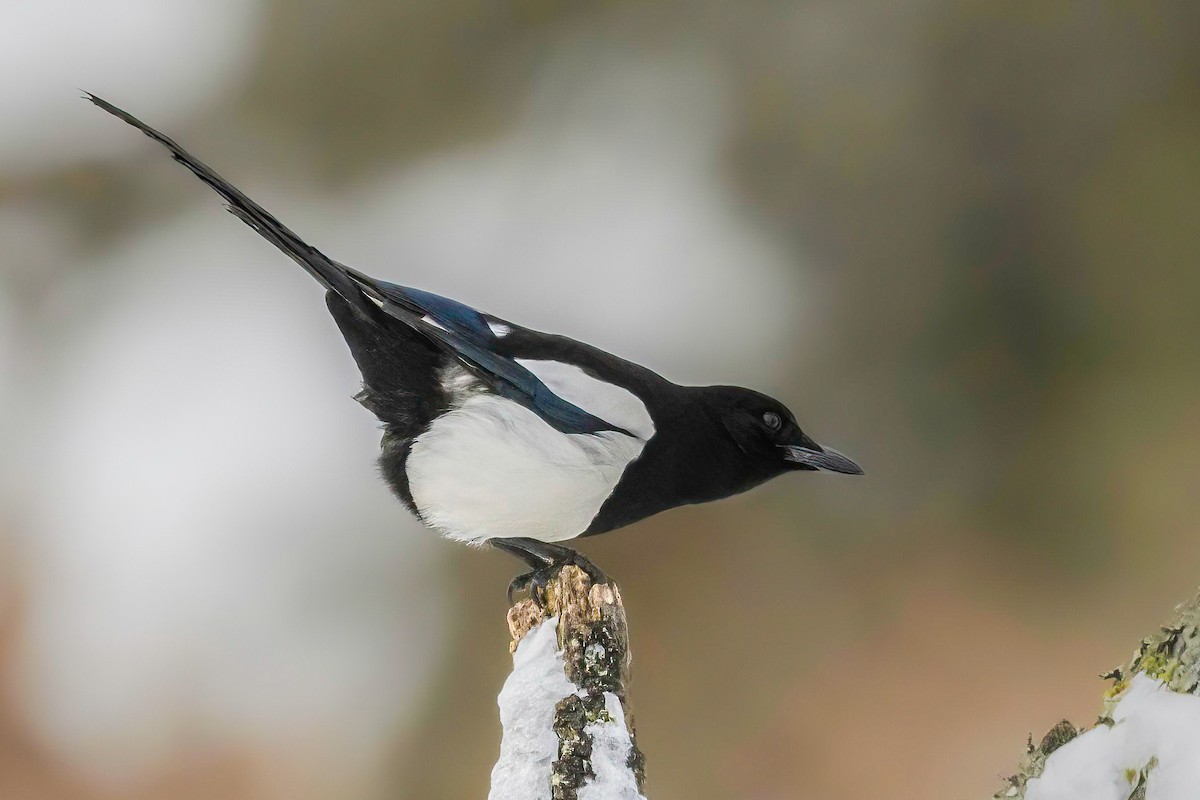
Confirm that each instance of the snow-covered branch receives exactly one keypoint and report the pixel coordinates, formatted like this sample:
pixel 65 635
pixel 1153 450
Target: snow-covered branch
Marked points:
pixel 1146 744
pixel 566 733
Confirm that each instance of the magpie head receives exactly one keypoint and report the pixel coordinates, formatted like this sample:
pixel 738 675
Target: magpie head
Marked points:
pixel 766 432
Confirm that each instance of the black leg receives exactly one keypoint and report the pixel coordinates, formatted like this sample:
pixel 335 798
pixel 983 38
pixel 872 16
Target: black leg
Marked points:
pixel 556 555
pixel 520 548
pixel 543 559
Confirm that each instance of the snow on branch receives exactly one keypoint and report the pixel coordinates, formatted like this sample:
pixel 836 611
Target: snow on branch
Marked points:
pixel 566 733
pixel 1146 744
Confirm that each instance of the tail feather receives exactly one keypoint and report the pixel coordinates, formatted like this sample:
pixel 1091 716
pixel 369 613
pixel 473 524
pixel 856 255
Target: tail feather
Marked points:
pixel 331 275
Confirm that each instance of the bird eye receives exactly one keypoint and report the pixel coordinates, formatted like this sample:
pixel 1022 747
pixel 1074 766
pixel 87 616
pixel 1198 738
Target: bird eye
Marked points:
pixel 772 420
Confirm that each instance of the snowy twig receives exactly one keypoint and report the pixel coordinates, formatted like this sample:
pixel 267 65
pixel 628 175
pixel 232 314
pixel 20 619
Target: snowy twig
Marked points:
pixel 1146 744
pixel 566 735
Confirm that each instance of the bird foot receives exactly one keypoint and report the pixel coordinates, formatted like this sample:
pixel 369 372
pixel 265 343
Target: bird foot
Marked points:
pixel 546 561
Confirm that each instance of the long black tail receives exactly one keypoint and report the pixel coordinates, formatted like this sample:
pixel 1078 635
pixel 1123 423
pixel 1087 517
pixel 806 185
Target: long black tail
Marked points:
pixel 332 275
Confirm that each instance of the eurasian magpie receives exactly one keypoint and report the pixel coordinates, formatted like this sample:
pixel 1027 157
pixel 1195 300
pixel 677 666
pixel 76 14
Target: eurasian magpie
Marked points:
pixel 498 434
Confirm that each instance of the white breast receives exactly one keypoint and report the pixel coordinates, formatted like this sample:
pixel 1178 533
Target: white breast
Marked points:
pixel 492 468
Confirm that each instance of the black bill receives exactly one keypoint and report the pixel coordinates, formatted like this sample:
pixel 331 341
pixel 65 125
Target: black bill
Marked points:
pixel 824 458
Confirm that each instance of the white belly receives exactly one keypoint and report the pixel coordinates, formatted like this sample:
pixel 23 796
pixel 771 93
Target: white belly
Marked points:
pixel 492 468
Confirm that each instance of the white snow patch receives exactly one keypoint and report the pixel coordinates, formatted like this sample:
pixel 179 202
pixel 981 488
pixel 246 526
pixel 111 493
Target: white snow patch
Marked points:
pixel 611 746
pixel 1152 722
pixel 529 745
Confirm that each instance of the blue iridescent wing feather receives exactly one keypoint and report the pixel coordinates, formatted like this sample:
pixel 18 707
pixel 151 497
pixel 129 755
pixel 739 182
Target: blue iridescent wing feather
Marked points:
pixel 466 332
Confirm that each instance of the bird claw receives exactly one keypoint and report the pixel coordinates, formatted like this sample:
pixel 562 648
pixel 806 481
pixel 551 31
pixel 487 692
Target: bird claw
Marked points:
pixel 545 560
pixel 594 573
pixel 516 585
pixel 534 582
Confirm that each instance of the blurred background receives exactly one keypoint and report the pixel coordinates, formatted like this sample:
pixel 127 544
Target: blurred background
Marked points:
pixel 959 238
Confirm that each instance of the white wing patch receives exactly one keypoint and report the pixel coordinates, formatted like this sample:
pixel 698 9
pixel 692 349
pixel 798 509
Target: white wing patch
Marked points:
pixel 490 467
pixel 428 320
pixel 499 329
pixel 609 402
